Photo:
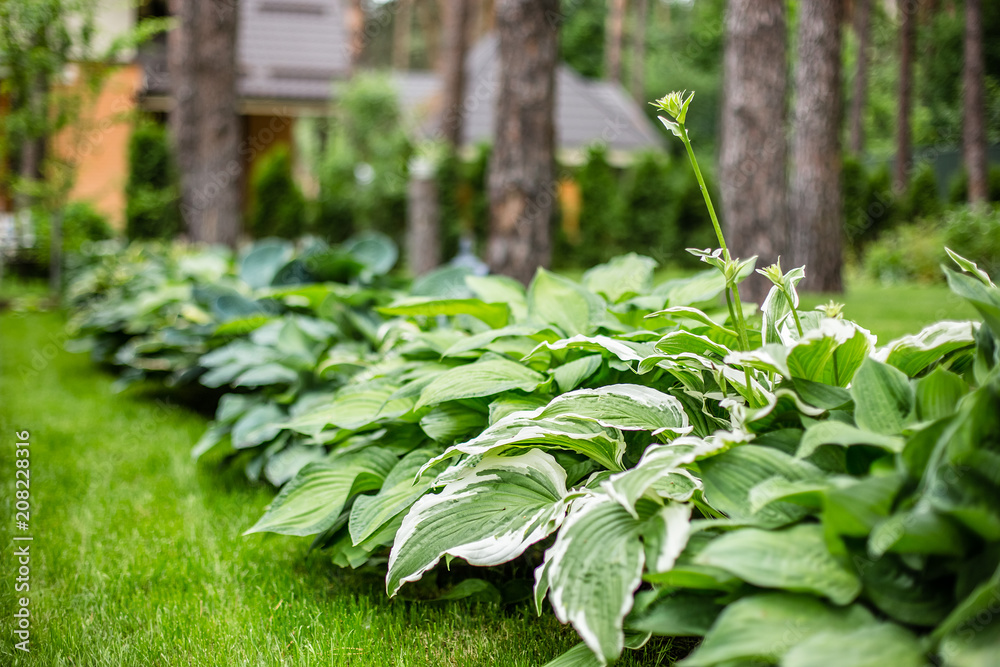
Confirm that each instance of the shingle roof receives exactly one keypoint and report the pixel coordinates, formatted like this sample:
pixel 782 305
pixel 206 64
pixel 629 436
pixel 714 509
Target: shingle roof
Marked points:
pixel 286 50
pixel 587 111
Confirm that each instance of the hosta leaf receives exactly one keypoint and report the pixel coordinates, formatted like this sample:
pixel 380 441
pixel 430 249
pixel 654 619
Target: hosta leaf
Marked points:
pixel 569 376
pixel 495 315
pixel 883 398
pixel 500 289
pixel 483 378
pixel 920 531
pixel 370 513
pixel 594 568
pixel 628 407
pixel 262 263
pixel 680 615
pixel 581 656
pixel 876 646
pixel 679 342
pixel 765 627
pixel 845 435
pixel 285 464
pixel 974 645
pixel 730 476
pixel 560 301
pixel 258 425
pixel 311 502
pixel 938 393
pixel 624 350
pixel 985 299
pixel 351 409
pixel 484 339
pixel 699 288
pixel 688 313
pixel 449 421
pixel 266 374
pixel 519 430
pixel 795 559
pixel 912 354
pixel 488 516
pixel 621 277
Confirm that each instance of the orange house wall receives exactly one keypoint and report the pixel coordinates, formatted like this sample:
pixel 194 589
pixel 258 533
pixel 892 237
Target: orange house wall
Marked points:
pixel 98 144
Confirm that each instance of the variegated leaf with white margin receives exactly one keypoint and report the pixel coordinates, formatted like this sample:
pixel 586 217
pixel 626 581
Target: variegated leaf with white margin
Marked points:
pixel 970 266
pixel 595 566
pixel 775 306
pixel 658 460
pixel 483 378
pixel 689 313
pixel 624 350
pixel 677 342
pixel 488 516
pixel 830 353
pixel 629 407
pixel 912 354
pixel 524 429
pixel 371 513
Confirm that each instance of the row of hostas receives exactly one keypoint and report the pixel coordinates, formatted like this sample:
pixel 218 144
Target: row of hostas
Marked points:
pixel 804 498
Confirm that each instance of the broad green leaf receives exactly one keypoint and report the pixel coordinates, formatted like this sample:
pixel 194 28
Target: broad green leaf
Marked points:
pixel 838 433
pixel 974 645
pixel 730 476
pixel 906 596
pixel 370 513
pixel 493 314
pixel 876 646
pixel 500 289
pixel 854 507
pixel 621 277
pixel 883 398
pixel 821 395
pixel 484 339
pixel 488 516
pixel 680 342
pixel 448 422
pixel 688 313
pixel 938 393
pixel 920 530
pixel 629 407
pixel 569 376
pixel 699 288
pixel 266 374
pixel 594 568
pixel 287 462
pixel 622 349
pixel 313 501
pixel 258 425
pixel 352 408
pixel 680 615
pixel 483 378
pixel 563 303
pixel 581 656
pixel 764 627
pixel 263 261
pixel 913 354
pixel 376 251
pixel 794 559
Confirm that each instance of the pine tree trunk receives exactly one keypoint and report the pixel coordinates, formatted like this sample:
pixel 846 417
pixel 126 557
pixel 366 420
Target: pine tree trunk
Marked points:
pixel 522 187
pixel 356 30
pixel 815 197
pixel 862 30
pixel 639 50
pixel 423 243
pixel 753 149
pixel 455 46
pixel 907 44
pixel 974 104
pixel 614 39
pixel 205 119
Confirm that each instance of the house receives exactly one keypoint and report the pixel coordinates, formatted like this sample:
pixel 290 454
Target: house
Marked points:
pixel 291 53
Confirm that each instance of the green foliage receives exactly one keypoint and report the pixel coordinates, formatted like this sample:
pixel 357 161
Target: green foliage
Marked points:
pixel 602 227
pixel 958 191
pixel 650 210
pixel 151 199
pixel 363 169
pixel 581 37
pixel 277 206
pixel 975 233
pixel 922 199
pixel 81 225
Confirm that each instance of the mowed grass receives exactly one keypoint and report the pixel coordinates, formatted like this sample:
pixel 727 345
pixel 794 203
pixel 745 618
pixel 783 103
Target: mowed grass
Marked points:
pixel 138 557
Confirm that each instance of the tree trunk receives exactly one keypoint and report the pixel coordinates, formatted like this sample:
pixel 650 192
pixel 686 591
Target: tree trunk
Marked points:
pixel 815 197
pixel 431 29
pixel 639 50
pixel 401 35
pixel 907 40
pixel 423 242
pixel 455 45
pixel 753 150
pixel 614 39
pixel 862 30
pixel 522 185
pixel 974 104
pixel 205 119
pixel 356 30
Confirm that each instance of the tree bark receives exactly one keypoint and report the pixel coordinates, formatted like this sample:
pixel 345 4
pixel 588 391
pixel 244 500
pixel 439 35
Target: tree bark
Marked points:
pixel 862 30
pixel 522 185
pixel 356 30
pixel 205 118
pixel 907 44
pixel 815 196
pixel 423 242
pixel 753 150
pixel 639 50
pixel 974 104
pixel 455 46
pixel 401 35
pixel 615 37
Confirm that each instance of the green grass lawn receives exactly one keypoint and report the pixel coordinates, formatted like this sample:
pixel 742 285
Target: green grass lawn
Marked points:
pixel 138 557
